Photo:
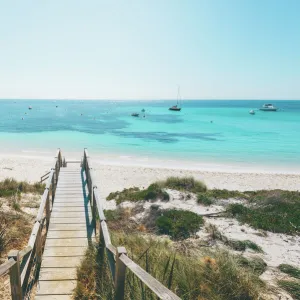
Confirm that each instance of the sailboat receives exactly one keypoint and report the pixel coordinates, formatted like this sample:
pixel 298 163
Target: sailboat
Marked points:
pixel 176 107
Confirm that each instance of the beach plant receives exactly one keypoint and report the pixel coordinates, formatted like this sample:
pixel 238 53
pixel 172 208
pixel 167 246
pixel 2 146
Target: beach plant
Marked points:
pixel 152 192
pixel 280 216
pixel 290 270
pixel 214 275
pixel 204 199
pixel 187 184
pixel 292 287
pixel 10 186
pixel 256 264
pixel 178 224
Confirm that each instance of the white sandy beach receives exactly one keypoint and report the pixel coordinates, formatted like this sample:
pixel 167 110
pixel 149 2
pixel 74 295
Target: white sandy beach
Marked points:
pixel 112 174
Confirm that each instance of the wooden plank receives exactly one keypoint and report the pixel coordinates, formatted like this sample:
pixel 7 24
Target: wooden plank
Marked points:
pixel 69 204
pixel 53 297
pixel 57 274
pixel 64 287
pixel 5 267
pixel 67 234
pixel 78 242
pixel 67 226
pixel 65 251
pixel 62 209
pixel 70 214
pixel 68 221
pixel 69 200
pixel 61 262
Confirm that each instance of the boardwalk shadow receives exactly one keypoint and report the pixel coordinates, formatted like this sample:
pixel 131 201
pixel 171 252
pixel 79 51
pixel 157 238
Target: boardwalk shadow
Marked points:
pixel 90 225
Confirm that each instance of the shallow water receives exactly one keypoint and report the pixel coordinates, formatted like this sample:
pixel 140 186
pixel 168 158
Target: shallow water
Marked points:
pixel 207 131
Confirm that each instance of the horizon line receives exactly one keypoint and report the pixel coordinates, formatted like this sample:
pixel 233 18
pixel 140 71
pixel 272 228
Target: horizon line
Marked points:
pixel 166 99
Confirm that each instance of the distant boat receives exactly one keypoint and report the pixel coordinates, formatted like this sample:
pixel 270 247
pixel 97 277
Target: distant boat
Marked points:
pixel 176 107
pixel 30 107
pixel 268 107
pixel 135 114
pixel 252 112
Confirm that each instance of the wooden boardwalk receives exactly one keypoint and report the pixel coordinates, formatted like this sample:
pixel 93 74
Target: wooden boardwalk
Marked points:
pixel 70 231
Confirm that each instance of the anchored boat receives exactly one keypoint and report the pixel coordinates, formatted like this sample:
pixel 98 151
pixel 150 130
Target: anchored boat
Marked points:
pixel 176 107
pixel 268 107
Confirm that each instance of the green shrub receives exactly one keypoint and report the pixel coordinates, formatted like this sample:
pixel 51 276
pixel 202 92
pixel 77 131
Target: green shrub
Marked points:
pixel 204 199
pixel 257 265
pixel 292 287
pixel 153 192
pixel 10 186
pixel 218 275
pixel 224 194
pixel 188 184
pixel 281 217
pixel 179 224
pixel 288 269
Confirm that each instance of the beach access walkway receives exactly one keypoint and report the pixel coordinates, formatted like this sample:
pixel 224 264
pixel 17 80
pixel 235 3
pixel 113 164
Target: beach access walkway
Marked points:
pixel 69 219
pixel 70 231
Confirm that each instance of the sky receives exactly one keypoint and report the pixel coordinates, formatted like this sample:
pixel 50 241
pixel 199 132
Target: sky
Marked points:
pixel 142 49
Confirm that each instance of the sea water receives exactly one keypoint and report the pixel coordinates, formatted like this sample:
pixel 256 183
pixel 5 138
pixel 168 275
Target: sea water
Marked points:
pixel 212 131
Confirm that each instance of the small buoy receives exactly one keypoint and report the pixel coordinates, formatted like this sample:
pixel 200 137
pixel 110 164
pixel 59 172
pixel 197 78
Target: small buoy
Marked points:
pixel 211 121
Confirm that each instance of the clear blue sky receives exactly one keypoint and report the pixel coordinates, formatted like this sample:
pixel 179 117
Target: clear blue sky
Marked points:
pixel 215 49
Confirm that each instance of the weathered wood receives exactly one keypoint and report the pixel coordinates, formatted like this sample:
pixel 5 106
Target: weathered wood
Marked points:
pixel 71 214
pixel 40 213
pixel 47 210
pixel 68 221
pixel 105 232
pixel 58 274
pixel 5 267
pixel 64 251
pixel 66 242
pixel 120 274
pixel 38 246
pixel 155 286
pixel 61 262
pixel 53 297
pixel 65 227
pixel 99 205
pixel 15 276
pixel 25 251
pixel 33 235
pixel 67 234
pixel 56 287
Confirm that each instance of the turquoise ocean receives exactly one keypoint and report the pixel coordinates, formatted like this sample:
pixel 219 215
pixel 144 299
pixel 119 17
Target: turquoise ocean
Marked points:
pixel 212 131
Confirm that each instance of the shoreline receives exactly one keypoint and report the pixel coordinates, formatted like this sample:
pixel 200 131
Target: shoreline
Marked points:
pixel 117 175
pixel 127 160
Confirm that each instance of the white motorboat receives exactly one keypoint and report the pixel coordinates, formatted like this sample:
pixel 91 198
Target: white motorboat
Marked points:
pixel 252 112
pixel 268 107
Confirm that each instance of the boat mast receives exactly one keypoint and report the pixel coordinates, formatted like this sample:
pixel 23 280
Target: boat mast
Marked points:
pixel 178 95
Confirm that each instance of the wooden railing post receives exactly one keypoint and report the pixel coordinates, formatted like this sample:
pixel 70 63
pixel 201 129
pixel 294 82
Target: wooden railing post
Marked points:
pixel 120 274
pixel 15 276
pixel 38 245
pixel 47 210
pixel 53 186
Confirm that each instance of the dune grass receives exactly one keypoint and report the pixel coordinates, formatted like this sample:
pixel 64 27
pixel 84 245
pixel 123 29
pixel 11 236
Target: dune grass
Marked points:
pixel 186 184
pixel 10 186
pixel 152 192
pixel 290 270
pixel 212 275
pixel 292 287
pixel 178 224
pixel 281 216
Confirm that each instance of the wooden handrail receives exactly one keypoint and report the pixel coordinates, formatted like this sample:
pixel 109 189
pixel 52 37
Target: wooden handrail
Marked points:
pixel 33 250
pixel 117 257
pixel 5 267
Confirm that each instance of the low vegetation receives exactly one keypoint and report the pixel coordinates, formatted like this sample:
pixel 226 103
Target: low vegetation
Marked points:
pixel 234 244
pixel 279 216
pixel 292 287
pixel 9 187
pixel 204 199
pixel 186 184
pixel 153 192
pixel 218 275
pixel 290 270
pixel 178 224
